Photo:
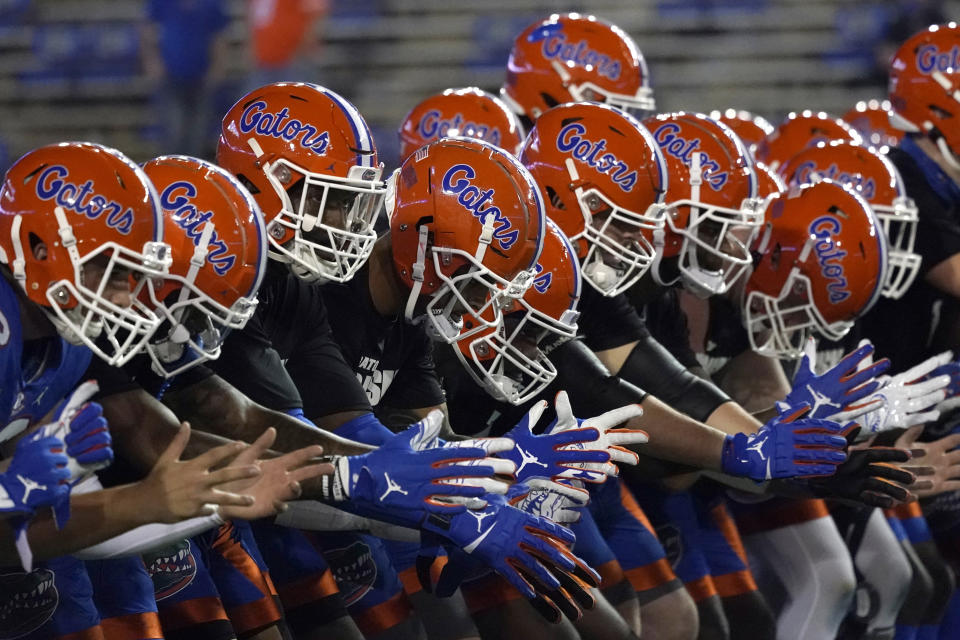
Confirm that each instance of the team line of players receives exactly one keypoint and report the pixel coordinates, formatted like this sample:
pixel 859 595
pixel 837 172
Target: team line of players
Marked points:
pixel 597 265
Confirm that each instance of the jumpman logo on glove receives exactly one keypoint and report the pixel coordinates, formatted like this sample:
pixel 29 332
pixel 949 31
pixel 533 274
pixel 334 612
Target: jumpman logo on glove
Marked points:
pixel 479 515
pixel 528 458
pixel 392 487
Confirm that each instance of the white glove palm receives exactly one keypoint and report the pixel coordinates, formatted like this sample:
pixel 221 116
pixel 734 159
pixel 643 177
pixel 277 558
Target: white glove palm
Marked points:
pixel 612 439
pixel 551 500
pixel 906 400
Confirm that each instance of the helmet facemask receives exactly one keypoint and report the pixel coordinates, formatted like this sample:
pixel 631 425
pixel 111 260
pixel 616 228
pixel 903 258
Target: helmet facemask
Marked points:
pixel 470 301
pixel 715 250
pixel 194 323
pixel 187 337
pixel 122 330
pixel 511 364
pixel 779 325
pixel 641 104
pixel 900 229
pixel 619 252
pixel 332 219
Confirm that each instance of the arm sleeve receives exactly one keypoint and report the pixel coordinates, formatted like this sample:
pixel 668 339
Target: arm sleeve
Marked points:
pixel 655 369
pixel 416 385
pixel 249 362
pixel 147 537
pixel 592 388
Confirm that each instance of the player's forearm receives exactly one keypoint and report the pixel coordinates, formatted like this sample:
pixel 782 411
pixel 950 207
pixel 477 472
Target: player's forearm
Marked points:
pixel 293 434
pixel 94 517
pixel 677 437
pixel 731 418
pixel 215 406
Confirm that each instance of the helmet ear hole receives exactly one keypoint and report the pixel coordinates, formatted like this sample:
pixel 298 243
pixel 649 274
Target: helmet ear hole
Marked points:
pixel 390 199
pixel 37 247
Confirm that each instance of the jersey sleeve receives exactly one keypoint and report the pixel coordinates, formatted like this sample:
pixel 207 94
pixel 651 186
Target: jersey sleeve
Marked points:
pixel 326 383
pixel 249 362
pixel 668 324
pixel 417 384
pixel 607 323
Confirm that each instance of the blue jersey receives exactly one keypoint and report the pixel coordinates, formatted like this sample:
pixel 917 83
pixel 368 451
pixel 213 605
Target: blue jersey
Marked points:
pixel 32 384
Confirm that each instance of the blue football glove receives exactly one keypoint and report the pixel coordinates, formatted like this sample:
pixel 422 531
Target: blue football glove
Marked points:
pixel 528 551
pixel 553 455
pixel 81 425
pixel 849 381
pixel 403 475
pixel 37 476
pixel 785 447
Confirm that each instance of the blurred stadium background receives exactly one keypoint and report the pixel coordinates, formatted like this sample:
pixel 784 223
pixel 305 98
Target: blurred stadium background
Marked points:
pixel 104 70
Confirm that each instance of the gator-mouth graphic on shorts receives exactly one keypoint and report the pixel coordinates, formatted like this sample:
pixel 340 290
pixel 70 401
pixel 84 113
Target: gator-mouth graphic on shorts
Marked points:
pixel 672 542
pixel 171 568
pixel 27 601
pixel 354 570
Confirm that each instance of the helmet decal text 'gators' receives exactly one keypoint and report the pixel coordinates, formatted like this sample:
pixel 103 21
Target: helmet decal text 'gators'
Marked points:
pixel 479 202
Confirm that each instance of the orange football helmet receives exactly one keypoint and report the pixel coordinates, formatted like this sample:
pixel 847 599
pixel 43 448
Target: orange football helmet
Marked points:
pixel 822 262
pixel 799 131
pixel 219 248
pixel 750 127
pixel 308 158
pixel 575 58
pixel 90 207
pixel 466 228
pixel 603 179
pixel 878 181
pixel 511 363
pixel 713 211
pixel 871 119
pixel 924 86
pixel 466 112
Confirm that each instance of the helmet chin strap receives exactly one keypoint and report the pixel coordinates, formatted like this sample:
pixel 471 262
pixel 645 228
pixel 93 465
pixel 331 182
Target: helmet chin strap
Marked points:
pixel 69 242
pixel 947 154
pixel 171 348
pixel 417 274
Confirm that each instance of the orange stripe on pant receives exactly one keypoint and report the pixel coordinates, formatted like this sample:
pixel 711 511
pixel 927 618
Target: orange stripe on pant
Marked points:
pixel 651 575
pixel 93 633
pixel 411 581
pixel 631 505
pixel 134 626
pixel 701 588
pixel 256 614
pixel 778 513
pixel 192 612
pixel 611 573
pixel 738 582
pixel 383 616
pixel 308 589
pixel 905 511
